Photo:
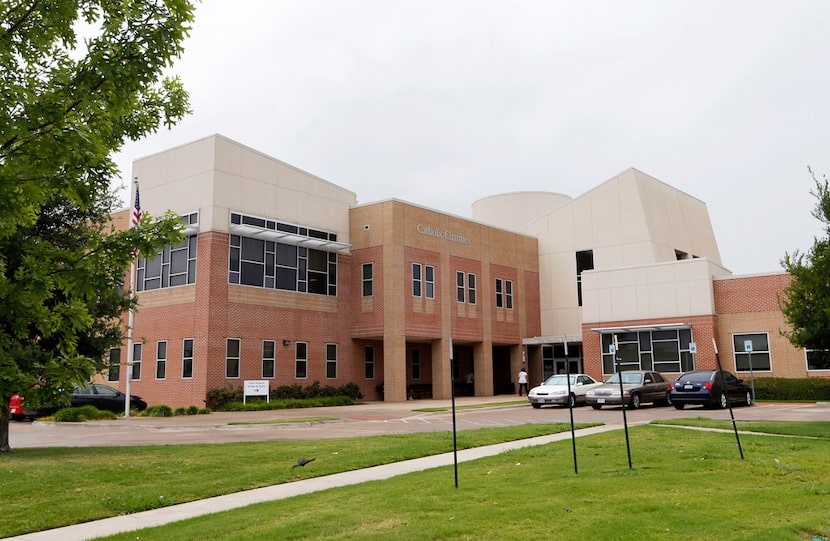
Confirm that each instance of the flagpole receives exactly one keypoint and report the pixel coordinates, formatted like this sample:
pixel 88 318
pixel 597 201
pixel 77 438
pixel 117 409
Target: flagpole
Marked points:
pixel 135 217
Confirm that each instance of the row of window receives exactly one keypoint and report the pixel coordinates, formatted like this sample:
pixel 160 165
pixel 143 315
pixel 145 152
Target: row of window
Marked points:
pixel 670 351
pixel 233 360
pixel 423 285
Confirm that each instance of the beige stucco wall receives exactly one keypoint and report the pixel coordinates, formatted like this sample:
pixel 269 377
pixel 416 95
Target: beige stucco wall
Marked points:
pixel 516 210
pixel 631 220
pixel 661 290
pixel 215 175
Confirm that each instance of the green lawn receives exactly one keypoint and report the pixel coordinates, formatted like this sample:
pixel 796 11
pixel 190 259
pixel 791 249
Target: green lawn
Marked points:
pixel 52 487
pixel 684 485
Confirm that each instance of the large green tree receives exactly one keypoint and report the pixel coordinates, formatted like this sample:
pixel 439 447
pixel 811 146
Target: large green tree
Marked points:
pixel 66 106
pixel 806 301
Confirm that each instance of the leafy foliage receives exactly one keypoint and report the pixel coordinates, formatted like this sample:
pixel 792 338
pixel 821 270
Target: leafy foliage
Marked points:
pixel 285 396
pixel 802 389
pixel 806 301
pixel 83 413
pixel 66 105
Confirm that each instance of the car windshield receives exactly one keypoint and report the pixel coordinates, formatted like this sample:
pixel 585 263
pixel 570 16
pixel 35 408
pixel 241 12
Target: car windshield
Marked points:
pixel 559 379
pixel 627 378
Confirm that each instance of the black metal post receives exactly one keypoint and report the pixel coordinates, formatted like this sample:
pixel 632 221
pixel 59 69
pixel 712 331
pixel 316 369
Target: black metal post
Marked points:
pixel 454 438
pixel 570 404
pixel 622 401
pixel 728 401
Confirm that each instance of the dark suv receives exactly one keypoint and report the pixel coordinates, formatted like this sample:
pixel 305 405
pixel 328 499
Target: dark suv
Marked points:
pixel 708 388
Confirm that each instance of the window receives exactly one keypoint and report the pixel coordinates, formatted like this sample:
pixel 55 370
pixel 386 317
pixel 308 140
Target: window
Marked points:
pixel 161 360
pixel 281 259
pixel 114 372
pixel 817 359
pixel 663 350
pixel 368 279
pixel 232 357
pixel 584 261
pixel 423 281
pixel 460 287
pixel 429 281
pixel 417 281
pixel 173 265
pixel 504 293
pixel 369 362
pixel 269 349
pixel 301 360
pixel 759 357
pixel 471 288
pixel 416 363
pixel 187 358
pixel 331 361
pixel 136 371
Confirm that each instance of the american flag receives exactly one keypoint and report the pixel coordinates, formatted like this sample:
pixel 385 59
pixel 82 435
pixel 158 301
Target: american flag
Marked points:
pixel 136 215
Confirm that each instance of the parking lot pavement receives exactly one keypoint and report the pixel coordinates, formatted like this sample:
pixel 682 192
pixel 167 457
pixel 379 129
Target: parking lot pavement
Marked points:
pixel 367 419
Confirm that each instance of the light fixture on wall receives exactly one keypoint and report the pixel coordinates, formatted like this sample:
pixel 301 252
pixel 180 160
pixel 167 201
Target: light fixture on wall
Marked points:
pixel 286 342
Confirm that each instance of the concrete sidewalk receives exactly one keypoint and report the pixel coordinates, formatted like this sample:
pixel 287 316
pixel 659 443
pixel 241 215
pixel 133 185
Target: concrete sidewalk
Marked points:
pixel 166 515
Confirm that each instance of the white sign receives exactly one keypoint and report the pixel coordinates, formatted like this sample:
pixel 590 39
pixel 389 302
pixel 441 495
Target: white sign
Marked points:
pixel 748 346
pixel 256 387
pixel 692 348
pixel 612 349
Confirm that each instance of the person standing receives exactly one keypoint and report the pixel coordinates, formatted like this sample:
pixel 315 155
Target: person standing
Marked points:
pixel 522 381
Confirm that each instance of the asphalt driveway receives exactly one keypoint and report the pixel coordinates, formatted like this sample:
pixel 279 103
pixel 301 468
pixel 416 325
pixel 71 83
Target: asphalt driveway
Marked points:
pixel 367 419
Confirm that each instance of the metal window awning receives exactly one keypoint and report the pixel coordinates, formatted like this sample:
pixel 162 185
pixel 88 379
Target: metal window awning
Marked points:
pixel 636 328
pixel 551 340
pixel 284 237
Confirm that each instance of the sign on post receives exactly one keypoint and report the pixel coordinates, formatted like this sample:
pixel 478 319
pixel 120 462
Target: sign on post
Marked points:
pixel 255 387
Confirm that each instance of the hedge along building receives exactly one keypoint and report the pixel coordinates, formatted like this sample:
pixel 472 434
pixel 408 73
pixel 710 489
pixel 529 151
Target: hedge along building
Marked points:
pixel 284 277
pixel 635 261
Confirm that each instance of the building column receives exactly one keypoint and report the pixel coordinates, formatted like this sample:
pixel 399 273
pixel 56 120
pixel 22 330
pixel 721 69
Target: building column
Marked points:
pixel 394 368
pixel 483 368
pixel 441 372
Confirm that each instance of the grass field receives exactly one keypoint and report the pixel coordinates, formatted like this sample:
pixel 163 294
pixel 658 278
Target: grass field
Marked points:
pixel 684 485
pixel 50 487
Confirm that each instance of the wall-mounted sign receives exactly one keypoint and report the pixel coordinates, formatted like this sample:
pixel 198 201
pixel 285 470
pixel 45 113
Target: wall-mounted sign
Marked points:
pixel 446 234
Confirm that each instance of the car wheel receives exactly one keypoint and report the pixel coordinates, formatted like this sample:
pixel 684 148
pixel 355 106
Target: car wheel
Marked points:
pixel 748 400
pixel 635 401
pixel 596 406
pixel 667 401
pixel 722 401
pixel 572 400
pixel 536 406
pixel 678 406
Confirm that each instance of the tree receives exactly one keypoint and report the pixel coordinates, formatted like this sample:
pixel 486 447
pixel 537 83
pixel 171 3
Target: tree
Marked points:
pixel 65 109
pixel 806 301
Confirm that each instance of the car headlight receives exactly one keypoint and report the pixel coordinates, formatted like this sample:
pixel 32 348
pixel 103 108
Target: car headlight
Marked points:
pixel 590 393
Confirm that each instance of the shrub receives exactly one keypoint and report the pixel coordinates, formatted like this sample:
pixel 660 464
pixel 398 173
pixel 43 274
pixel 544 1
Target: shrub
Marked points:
pixel 289 403
pixel 216 398
pixel 219 399
pixel 805 389
pixel 192 410
pixel 179 411
pixel 83 413
pixel 158 411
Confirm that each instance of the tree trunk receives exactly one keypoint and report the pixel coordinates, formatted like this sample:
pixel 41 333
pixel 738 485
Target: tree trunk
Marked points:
pixel 4 430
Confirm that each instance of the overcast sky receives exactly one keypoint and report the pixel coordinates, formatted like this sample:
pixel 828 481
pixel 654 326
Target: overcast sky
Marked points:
pixel 440 103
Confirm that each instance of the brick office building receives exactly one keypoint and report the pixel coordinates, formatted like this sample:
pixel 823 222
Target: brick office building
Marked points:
pixel 284 277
